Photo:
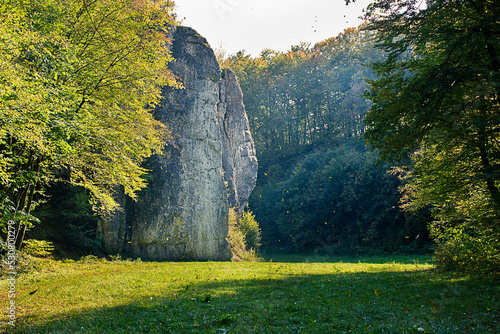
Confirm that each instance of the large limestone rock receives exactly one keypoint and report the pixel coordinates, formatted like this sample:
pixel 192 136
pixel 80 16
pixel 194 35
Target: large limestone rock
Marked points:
pixel 238 158
pixel 209 165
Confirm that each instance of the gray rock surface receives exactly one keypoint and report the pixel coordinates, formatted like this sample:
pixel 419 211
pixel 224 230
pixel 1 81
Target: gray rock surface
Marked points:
pixel 209 165
pixel 239 159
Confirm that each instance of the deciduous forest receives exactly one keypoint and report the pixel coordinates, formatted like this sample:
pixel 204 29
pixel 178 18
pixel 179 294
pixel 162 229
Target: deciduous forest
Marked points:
pixel 418 83
pixel 320 189
pixel 78 81
pixel 381 140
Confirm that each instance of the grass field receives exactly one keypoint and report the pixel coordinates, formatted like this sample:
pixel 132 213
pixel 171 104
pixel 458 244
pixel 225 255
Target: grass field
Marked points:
pixel 284 294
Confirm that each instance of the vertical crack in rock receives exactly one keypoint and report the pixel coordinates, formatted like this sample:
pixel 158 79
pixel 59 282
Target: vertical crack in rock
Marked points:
pixel 208 166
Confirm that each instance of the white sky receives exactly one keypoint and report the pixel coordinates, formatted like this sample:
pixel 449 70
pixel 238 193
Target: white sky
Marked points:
pixel 254 25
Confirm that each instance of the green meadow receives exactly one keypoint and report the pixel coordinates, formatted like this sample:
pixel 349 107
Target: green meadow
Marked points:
pixel 284 294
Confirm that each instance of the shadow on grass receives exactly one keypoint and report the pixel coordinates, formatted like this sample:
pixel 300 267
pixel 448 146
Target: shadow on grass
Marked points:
pixel 283 302
pixel 334 258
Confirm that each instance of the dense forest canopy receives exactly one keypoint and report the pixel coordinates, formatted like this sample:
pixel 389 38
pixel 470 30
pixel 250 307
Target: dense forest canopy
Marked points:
pixel 295 98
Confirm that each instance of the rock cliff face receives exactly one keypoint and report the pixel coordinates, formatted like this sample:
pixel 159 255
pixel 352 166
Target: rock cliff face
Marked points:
pixel 208 166
pixel 238 159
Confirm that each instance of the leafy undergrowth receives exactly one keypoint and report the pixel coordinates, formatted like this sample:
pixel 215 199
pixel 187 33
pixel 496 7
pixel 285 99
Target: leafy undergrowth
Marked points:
pixel 310 295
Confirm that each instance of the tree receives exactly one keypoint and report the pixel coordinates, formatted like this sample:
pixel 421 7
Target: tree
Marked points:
pixel 79 79
pixel 317 185
pixel 436 100
pixel 308 96
pixel 337 200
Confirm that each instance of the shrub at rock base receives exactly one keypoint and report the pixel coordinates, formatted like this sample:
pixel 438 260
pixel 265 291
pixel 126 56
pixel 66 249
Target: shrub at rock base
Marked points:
pixel 243 236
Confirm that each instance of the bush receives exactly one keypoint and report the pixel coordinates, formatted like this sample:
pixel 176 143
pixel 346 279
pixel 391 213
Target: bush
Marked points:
pixel 465 249
pixel 250 229
pixel 243 236
pixel 91 259
pixel 68 220
pixel 23 263
pixel 38 248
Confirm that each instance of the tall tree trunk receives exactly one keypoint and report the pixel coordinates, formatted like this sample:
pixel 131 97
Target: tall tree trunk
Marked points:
pixel 25 202
pixel 22 227
pixel 487 172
